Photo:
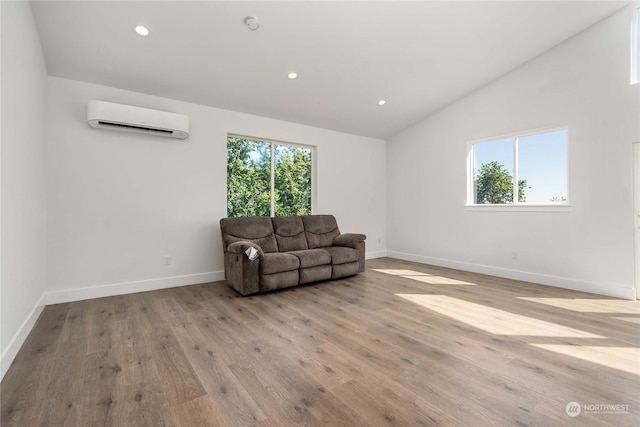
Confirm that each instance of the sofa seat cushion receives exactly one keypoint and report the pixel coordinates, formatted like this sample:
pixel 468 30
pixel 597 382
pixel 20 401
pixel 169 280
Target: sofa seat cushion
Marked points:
pixel 312 257
pixel 276 262
pixel 343 270
pixel 341 255
pixel 286 279
pixel 317 273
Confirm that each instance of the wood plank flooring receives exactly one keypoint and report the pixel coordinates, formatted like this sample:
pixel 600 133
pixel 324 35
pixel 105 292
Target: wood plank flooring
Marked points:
pixel 401 344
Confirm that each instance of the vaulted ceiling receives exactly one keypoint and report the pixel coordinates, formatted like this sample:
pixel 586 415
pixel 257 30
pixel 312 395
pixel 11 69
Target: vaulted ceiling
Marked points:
pixel 418 56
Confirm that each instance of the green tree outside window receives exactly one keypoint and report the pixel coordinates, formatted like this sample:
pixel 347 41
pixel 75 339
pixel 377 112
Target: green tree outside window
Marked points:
pixel 494 185
pixel 250 189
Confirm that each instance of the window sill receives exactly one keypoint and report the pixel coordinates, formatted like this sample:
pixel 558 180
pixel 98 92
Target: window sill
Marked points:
pixel 524 207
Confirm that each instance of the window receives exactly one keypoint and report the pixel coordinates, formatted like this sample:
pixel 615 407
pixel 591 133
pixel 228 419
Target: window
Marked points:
pixel 266 178
pixel 520 169
pixel 635 48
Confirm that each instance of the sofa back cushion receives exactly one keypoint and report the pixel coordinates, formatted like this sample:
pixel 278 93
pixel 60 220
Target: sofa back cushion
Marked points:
pixel 289 232
pixel 257 229
pixel 320 230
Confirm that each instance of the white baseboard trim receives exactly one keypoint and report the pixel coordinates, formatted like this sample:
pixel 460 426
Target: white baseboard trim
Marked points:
pixel 526 276
pixel 21 335
pixel 77 294
pixel 373 255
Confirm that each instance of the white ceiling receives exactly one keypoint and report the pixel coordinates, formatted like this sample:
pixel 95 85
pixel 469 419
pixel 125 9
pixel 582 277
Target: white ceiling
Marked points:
pixel 417 55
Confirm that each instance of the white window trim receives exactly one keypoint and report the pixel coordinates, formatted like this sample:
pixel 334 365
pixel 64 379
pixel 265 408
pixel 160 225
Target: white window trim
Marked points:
pixel 516 206
pixel 634 46
pixel 275 142
pixel 522 207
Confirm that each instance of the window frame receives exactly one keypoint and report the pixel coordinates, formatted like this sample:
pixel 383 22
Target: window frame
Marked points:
pixel 273 143
pixel 518 206
pixel 635 57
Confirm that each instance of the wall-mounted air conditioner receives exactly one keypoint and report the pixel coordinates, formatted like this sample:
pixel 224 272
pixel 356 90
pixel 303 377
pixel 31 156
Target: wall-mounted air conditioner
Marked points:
pixel 107 115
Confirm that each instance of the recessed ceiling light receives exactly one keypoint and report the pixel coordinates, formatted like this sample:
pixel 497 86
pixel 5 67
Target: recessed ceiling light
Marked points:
pixel 382 102
pixel 292 75
pixel 141 30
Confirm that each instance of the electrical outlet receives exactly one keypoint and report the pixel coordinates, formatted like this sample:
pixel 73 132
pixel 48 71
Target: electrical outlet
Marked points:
pixel 166 260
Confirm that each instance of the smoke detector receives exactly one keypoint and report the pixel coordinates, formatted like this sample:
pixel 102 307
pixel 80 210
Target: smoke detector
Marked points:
pixel 252 23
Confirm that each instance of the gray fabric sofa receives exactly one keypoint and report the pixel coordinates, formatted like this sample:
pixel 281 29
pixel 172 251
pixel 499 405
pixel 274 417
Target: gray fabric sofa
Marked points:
pixel 290 251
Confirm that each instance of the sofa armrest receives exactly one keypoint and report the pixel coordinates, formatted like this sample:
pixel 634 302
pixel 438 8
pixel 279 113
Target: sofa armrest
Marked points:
pixel 355 241
pixel 242 274
pixel 241 246
pixel 349 239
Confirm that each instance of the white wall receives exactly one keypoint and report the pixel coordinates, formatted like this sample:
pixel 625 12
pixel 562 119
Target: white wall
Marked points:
pixel 23 208
pixel 119 202
pixel 583 83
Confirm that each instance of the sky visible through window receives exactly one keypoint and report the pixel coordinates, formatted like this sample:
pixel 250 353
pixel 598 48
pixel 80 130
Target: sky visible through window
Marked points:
pixel 542 162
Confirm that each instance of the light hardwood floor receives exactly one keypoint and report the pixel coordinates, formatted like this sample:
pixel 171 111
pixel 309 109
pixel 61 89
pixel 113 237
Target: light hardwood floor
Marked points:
pixel 401 344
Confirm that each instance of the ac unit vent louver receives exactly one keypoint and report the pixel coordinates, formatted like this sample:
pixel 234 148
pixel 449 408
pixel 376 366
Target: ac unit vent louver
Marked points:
pixel 107 115
pixel 122 125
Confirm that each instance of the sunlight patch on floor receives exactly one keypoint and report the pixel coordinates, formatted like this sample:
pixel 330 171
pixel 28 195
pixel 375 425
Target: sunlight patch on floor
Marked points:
pixel 493 320
pixel 624 358
pixel 424 277
pixel 590 305
pixel 398 272
pixel 635 320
